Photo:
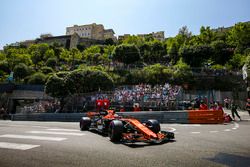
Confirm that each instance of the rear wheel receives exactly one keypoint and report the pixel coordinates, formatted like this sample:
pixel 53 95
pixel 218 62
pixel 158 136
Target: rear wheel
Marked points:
pixel 153 125
pixel 85 123
pixel 115 130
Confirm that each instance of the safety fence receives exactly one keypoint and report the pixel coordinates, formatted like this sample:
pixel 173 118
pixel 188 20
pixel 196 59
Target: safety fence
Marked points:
pixel 185 117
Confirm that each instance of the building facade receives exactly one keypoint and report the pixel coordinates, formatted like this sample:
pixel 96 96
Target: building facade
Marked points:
pixel 91 31
pixel 66 41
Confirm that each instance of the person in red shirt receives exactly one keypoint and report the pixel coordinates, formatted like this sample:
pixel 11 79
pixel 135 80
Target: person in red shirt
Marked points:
pixel 99 104
pixel 106 103
pixel 203 106
pixel 122 109
pixel 137 108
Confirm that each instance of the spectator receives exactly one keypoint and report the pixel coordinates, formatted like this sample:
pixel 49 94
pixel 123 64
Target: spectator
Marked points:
pixel 99 104
pixel 248 105
pixel 136 108
pixel 227 101
pixel 203 106
pixel 234 111
pixel 106 104
pixel 122 109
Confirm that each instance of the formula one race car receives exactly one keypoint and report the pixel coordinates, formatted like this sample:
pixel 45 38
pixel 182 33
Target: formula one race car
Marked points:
pixel 124 129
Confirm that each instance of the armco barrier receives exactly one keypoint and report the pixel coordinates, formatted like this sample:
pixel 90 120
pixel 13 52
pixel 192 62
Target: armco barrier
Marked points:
pixel 186 117
pixel 161 116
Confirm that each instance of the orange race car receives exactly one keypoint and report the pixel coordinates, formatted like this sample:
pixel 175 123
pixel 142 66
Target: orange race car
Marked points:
pixel 124 129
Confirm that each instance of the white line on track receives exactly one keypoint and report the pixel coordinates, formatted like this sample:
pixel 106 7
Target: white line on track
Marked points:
pixel 214 131
pixel 40 127
pixel 195 132
pixel 24 126
pixel 32 137
pixel 227 130
pixel 56 133
pixel 236 125
pixel 17 146
pixel 65 130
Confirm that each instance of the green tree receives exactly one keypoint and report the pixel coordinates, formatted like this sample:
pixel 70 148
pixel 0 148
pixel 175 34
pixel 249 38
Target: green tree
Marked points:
pixel 158 51
pixel 157 74
pixel 83 81
pixel 196 55
pixel 236 62
pixel 239 37
pixel 206 35
pixel 55 87
pixel 20 71
pixel 4 67
pixel 89 54
pixel 46 70
pixel 37 79
pixel 133 40
pixel 109 41
pixel 36 58
pixel 81 47
pixel 182 72
pixel 51 62
pixel 172 50
pixel 222 52
pixel 49 54
pixel 126 54
pixel 183 36
pixel 2 56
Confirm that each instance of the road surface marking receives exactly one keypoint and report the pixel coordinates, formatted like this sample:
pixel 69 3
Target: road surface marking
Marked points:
pixel 195 132
pixel 169 129
pixel 65 130
pixel 32 137
pixel 236 125
pixel 227 130
pixel 234 128
pixel 17 146
pixel 188 125
pixel 40 127
pixel 56 133
pixel 214 131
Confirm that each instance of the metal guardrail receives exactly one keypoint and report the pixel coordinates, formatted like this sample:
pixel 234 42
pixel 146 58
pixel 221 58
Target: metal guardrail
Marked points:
pixel 195 116
pixel 9 87
pixel 161 116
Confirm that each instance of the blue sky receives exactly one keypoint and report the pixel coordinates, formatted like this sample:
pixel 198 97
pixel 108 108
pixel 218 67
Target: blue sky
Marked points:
pixel 27 19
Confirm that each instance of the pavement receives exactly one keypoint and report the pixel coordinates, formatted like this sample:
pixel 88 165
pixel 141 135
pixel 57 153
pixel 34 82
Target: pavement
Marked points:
pixel 56 144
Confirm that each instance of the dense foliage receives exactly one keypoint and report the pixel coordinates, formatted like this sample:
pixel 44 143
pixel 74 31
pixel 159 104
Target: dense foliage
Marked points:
pixel 132 60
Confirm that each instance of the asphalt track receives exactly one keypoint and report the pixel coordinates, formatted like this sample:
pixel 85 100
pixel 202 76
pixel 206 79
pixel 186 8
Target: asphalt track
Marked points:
pixel 40 144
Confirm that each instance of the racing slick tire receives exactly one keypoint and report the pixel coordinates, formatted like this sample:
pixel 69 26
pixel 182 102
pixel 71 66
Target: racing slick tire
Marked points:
pixel 115 130
pixel 85 123
pixel 153 125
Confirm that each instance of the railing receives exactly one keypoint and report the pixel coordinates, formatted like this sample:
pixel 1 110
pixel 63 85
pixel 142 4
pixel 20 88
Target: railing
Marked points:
pixel 9 87
pixel 187 117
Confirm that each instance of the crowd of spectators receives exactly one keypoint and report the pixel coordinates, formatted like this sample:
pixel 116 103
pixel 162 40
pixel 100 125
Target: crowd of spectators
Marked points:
pixel 145 92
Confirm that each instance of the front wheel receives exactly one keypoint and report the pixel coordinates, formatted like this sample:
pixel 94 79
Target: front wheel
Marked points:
pixel 115 130
pixel 85 123
pixel 153 125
